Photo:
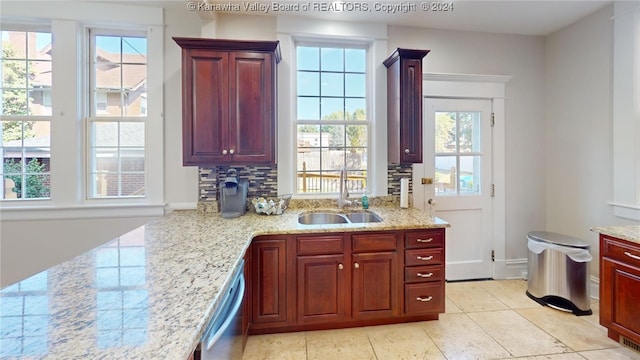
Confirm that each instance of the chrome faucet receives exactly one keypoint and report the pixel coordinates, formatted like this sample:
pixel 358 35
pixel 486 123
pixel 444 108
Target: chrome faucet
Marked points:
pixel 344 192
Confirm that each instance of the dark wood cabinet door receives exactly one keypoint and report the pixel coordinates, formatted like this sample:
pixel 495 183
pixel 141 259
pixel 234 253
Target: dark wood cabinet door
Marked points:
pixel 376 286
pixel 411 111
pixel 619 310
pixel 252 108
pixel 322 288
pixel 268 285
pixel 205 106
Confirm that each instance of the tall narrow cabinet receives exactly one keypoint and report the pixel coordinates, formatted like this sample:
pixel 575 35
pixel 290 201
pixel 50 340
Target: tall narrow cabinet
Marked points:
pixel 404 106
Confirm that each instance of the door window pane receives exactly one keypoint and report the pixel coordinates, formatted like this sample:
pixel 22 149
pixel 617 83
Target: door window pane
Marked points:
pixel 470 175
pixel 446 175
pixel 470 131
pixel 458 148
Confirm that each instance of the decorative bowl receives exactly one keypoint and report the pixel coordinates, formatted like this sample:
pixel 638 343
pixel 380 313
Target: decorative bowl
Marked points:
pixel 271 206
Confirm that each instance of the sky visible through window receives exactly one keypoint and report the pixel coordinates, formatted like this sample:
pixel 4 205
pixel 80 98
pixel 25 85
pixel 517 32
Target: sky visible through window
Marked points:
pixel 130 45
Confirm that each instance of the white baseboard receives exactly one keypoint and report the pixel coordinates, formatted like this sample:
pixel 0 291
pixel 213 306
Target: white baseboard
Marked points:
pixel 510 269
pixel 594 287
pixel 517 269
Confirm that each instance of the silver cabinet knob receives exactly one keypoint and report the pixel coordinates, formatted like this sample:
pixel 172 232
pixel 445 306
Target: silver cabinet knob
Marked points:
pixel 356 265
pixel 224 152
pixel 340 266
pixel 406 151
pixel 231 151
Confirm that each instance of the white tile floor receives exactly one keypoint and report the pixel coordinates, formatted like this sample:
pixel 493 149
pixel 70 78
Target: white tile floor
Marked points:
pixel 483 320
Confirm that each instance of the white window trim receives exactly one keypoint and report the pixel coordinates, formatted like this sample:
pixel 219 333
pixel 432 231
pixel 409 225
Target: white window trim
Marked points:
pixel 375 36
pixel 626 111
pixel 68 141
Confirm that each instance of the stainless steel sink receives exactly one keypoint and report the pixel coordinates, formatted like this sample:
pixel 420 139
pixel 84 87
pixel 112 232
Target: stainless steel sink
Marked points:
pixel 321 218
pixel 328 218
pixel 363 217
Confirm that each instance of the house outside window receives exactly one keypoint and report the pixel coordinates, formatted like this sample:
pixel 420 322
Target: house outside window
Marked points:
pixel 25 114
pixel 118 115
pixel 332 123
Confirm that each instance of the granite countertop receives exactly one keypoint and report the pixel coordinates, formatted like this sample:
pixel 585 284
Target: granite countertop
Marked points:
pixel 625 232
pixel 149 293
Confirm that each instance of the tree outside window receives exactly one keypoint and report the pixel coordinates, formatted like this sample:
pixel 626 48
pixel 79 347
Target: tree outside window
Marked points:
pixel 25 113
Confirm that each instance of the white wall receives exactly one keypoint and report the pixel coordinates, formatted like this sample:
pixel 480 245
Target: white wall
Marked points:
pixel 578 135
pixel 521 57
pixel 181 183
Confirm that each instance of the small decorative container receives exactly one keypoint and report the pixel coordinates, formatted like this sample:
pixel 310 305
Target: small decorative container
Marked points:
pixel 268 206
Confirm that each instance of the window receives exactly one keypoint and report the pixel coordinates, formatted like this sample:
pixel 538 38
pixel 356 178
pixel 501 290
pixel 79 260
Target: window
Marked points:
pixel 332 122
pixel 118 115
pixel 458 153
pixel 25 115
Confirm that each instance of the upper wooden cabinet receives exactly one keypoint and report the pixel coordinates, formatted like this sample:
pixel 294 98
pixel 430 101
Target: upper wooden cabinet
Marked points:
pixel 228 101
pixel 404 105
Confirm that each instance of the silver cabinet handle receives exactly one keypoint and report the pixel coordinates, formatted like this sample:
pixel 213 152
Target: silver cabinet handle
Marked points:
pixel 424 240
pixel 426 258
pixel 631 255
pixel 424 275
pixel 340 266
pixel 356 265
pixel 406 151
pixel 231 151
pixel 424 299
pixel 224 152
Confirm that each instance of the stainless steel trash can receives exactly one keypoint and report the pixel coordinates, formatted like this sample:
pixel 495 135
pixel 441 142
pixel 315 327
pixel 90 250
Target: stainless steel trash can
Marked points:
pixel 558 271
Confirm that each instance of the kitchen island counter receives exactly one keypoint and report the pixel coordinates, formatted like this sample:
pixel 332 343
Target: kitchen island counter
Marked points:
pixel 149 293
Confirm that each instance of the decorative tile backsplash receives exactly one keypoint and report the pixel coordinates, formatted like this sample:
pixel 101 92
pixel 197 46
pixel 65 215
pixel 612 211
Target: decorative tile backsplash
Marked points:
pixel 263 180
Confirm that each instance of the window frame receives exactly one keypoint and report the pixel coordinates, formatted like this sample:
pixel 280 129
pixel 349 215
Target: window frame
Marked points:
pixel 330 42
pixel 93 117
pixel 69 106
pixel 29 27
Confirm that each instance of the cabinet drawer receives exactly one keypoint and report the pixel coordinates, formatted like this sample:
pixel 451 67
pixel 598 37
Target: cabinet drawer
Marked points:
pixel 424 239
pixel 621 251
pixel 374 242
pixel 424 257
pixel 413 274
pixel 424 298
pixel 324 244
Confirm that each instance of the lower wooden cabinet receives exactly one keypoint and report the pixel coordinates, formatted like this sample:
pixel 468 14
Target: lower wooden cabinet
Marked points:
pixel 268 280
pixel 620 288
pixel 334 280
pixel 321 288
pixel 376 276
pixel 424 261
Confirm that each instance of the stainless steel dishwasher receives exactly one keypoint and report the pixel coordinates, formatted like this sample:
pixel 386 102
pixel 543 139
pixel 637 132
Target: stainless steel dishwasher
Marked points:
pixel 222 339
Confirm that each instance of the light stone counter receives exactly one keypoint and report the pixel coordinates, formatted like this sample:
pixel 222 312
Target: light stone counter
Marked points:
pixel 628 232
pixel 149 293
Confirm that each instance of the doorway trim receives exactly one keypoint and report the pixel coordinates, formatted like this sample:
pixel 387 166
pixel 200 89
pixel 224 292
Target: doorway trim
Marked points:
pixel 491 87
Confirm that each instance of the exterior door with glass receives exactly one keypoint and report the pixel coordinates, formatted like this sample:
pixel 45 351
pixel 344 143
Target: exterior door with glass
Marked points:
pixel 458 157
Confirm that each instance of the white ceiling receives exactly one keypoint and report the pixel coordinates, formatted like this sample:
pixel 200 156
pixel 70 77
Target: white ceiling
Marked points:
pixel 525 17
